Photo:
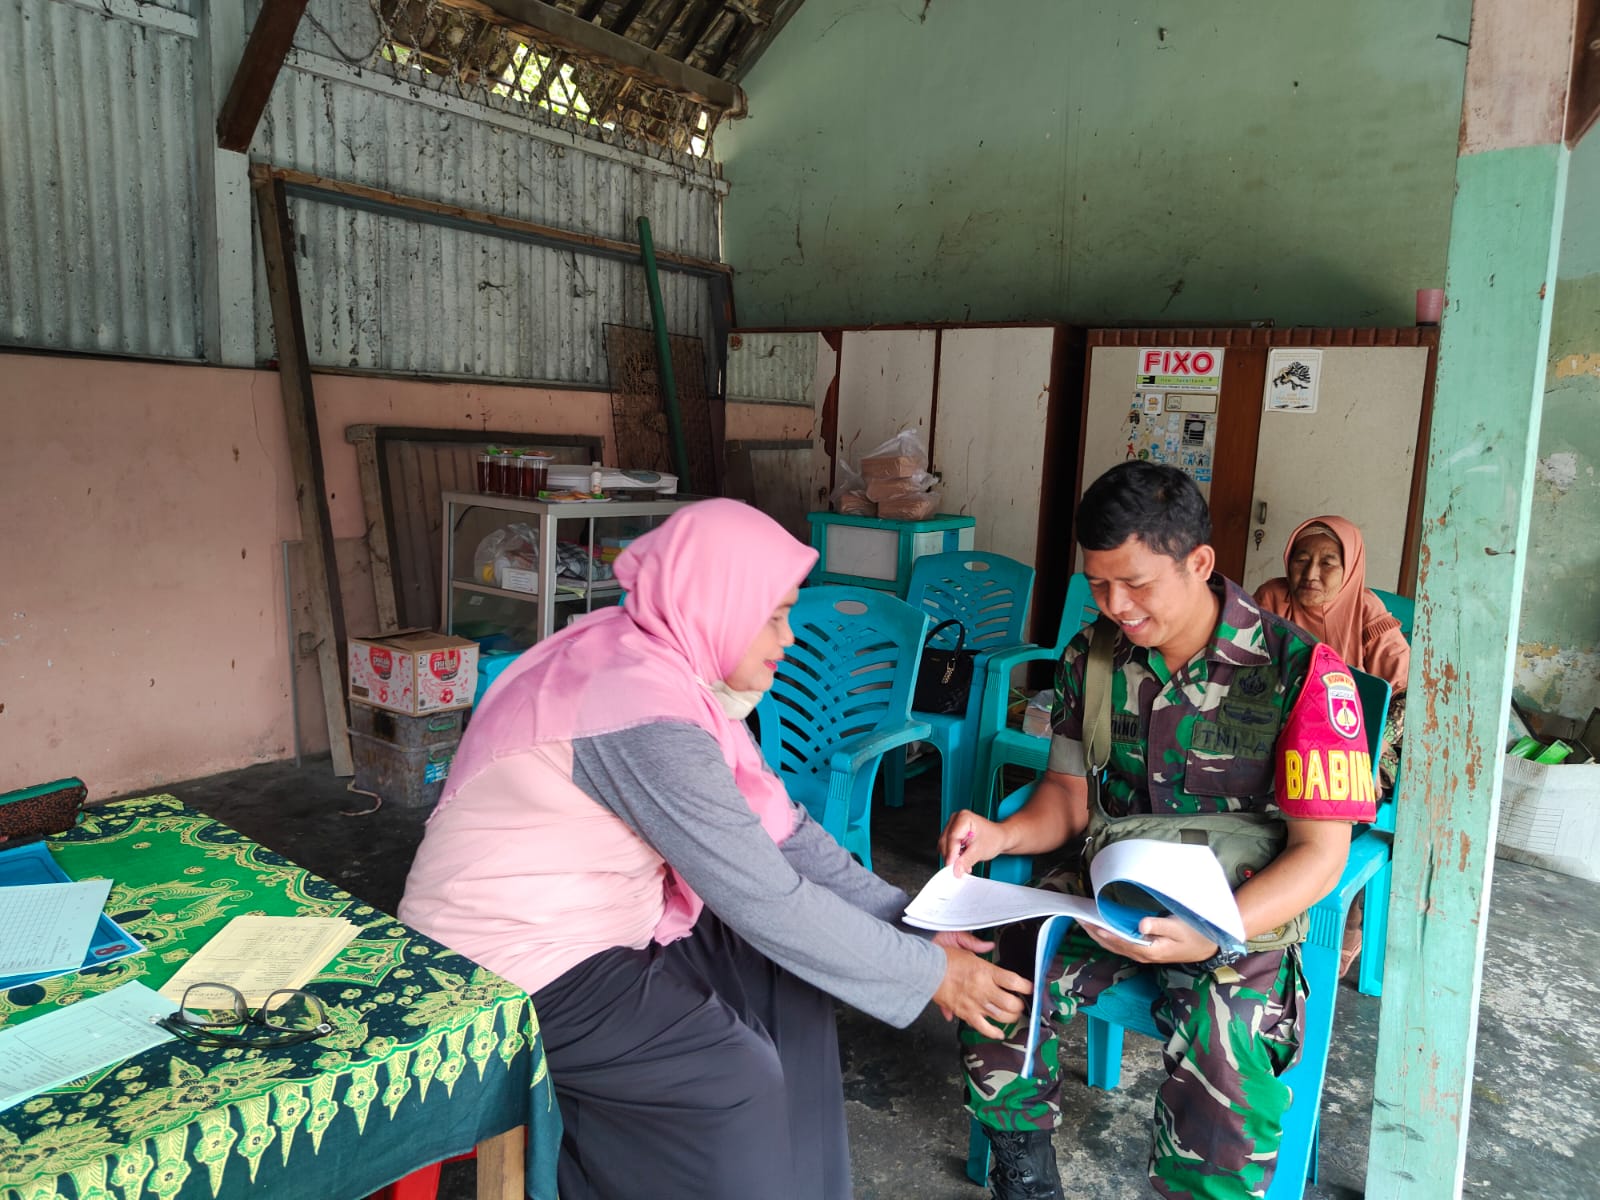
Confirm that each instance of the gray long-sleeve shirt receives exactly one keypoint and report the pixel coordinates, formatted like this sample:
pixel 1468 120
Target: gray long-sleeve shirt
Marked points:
pixel 806 904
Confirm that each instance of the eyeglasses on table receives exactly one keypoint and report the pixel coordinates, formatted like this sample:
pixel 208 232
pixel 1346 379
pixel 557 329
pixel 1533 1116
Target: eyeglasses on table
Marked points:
pixel 217 1014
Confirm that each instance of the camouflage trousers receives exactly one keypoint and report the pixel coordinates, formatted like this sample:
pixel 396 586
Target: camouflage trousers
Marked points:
pixel 1229 1035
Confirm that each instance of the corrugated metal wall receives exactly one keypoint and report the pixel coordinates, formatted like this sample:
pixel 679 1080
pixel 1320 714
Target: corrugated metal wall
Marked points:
pixel 99 225
pixel 388 293
pixel 97 192
pixel 772 367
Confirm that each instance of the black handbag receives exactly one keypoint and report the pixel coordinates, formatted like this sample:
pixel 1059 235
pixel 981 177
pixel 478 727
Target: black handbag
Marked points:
pixel 945 676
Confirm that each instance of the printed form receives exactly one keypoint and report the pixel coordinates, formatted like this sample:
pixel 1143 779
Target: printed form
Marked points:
pixel 47 927
pixel 57 1047
pixel 259 955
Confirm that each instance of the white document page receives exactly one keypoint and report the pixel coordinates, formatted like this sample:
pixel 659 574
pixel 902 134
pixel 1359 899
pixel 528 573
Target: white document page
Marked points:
pixel 68 1043
pixel 47 927
pixel 260 955
pixel 969 902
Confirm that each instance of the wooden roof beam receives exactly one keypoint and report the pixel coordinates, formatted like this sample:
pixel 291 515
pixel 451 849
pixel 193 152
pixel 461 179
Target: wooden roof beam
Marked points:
pixel 554 27
pixel 667 22
pixel 268 46
pixel 712 14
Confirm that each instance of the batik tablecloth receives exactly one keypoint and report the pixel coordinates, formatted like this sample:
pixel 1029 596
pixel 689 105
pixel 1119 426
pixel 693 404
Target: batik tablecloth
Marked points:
pixel 430 1053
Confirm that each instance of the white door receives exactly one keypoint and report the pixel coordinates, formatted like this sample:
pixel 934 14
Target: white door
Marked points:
pixel 994 398
pixel 885 385
pixel 1352 457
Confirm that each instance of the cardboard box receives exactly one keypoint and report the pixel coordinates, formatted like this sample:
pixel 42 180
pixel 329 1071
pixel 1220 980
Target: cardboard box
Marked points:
pixel 414 671
pixel 1550 816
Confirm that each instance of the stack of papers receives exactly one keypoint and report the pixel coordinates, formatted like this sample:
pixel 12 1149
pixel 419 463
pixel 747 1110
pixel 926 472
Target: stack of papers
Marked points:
pixel 257 956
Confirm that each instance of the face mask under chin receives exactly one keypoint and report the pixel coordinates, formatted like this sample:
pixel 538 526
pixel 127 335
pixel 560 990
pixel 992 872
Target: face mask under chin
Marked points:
pixel 735 705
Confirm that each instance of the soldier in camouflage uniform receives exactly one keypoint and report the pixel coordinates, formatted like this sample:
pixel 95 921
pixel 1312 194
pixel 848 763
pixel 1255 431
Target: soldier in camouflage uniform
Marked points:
pixel 1203 686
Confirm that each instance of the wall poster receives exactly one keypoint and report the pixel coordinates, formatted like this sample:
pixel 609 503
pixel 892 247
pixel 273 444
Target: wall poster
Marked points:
pixel 1293 374
pixel 1176 428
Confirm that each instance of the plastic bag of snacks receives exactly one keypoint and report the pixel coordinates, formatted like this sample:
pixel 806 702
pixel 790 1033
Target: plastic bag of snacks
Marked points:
pixel 898 480
pixel 880 490
pixel 512 547
pixel 849 496
pixel 901 457
pixel 918 506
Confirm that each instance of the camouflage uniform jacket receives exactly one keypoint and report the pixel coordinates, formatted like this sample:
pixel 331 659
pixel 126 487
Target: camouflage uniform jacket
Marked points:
pixel 1202 739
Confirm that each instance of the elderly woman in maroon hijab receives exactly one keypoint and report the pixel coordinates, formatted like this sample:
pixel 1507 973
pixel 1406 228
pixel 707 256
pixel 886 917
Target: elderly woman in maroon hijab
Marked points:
pixel 1324 591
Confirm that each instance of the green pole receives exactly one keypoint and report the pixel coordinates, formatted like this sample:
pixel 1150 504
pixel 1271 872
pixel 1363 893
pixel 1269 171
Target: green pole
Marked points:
pixel 669 384
pixel 1482 455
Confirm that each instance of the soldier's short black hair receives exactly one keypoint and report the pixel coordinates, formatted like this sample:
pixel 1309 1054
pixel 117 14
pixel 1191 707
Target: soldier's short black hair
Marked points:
pixel 1158 504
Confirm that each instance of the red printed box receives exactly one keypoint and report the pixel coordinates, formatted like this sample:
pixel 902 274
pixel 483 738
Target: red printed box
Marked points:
pixel 414 671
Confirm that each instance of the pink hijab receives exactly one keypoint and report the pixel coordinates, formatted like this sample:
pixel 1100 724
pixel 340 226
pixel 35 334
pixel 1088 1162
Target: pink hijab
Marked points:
pixel 1354 623
pixel 699 588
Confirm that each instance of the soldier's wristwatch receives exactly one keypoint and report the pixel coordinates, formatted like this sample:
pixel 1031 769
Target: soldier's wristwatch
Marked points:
pixel 1222 958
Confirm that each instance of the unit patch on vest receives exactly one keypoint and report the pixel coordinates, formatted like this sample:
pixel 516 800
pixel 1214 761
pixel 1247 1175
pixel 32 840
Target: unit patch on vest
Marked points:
pixel 1344 706
pixel 1124 727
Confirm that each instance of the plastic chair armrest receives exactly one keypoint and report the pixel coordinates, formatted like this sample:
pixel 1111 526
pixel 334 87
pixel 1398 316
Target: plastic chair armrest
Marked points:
pixel 1008 658
pixel 853 755
pixel 997 677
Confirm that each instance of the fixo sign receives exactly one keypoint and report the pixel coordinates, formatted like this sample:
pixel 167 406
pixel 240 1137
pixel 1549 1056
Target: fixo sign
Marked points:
pixel 1192 368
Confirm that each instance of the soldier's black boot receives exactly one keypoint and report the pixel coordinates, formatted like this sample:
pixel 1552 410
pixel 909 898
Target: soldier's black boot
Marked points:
pixel 1023 1165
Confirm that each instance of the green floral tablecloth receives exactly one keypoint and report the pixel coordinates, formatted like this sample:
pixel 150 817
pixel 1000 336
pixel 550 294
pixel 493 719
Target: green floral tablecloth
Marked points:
pixel 430 1053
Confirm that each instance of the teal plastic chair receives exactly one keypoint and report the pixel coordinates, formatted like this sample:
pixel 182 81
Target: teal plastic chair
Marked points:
pixel 1132 1003
pixel 997 745
pixel 988 594
pixel 840 701
pixel 1402 608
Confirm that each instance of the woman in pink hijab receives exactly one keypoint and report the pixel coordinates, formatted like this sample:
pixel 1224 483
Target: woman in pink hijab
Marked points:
pixel 1324 591
pixel 610 840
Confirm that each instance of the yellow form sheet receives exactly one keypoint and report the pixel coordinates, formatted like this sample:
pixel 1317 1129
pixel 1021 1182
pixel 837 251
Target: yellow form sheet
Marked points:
pixel 257 956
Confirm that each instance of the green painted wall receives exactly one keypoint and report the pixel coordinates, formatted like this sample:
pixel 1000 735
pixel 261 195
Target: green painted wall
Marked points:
pixel 959 159
pixel 1174 161
pixel 1558 662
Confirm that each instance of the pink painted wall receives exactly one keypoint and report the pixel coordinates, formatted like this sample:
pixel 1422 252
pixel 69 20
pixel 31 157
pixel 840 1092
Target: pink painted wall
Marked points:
pixel 142 629
pixel 141 609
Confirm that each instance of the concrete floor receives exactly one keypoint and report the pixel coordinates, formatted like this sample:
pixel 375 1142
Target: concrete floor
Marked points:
pixel 1535 1128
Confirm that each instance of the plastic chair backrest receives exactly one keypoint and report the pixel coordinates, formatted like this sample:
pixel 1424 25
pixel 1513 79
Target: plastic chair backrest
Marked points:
pixel 1078 611
pixel 1402 608
pixel 849 672
pixel 988 593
